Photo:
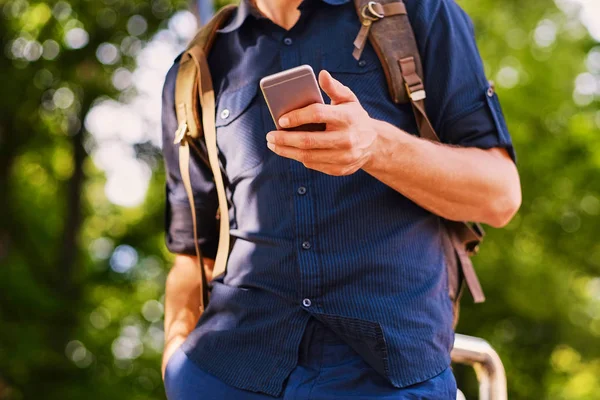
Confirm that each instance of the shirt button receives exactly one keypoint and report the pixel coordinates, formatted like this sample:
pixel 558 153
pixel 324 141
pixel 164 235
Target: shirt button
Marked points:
pixel 301 190
pixel 288 41
pixel 362 63
pixel 225 114
pixel 306 302
pixel 306 245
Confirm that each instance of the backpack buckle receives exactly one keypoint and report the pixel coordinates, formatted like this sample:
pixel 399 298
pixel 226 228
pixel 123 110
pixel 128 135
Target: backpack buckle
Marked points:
pixel 417 95
pixel 180 132
pixel 373 15
pixel 416 92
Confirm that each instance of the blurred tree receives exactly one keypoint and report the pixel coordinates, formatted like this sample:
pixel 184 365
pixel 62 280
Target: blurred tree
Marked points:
pixel 81 279
pixel 61 309
pixel 541 273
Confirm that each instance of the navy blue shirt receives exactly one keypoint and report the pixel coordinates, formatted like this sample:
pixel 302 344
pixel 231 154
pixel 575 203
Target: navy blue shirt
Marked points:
pixel 350 251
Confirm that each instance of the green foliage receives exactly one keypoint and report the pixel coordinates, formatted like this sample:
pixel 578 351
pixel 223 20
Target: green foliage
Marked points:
pixel 64 313
pixel 541 273
pixel 74 327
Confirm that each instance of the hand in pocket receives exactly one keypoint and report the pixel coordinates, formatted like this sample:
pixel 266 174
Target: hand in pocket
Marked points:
pixel 170 348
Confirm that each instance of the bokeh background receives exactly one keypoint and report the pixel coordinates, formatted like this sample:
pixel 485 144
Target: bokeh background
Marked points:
pixel 82 255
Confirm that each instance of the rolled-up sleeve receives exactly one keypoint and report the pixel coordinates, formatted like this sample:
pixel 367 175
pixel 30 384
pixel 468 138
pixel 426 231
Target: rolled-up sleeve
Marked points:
pixel 178 216
pixel 461 103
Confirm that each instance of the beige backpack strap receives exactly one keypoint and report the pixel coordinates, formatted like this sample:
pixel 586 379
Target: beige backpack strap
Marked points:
pixel 193 87
pixel 185 100
pixel 207 103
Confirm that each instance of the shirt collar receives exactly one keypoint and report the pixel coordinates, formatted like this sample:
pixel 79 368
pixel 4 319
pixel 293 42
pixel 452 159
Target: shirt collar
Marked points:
pixel 246 9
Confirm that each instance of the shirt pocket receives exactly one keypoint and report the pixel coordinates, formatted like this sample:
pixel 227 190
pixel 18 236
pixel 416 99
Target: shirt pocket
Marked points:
pixel 361 76
pixel 241 130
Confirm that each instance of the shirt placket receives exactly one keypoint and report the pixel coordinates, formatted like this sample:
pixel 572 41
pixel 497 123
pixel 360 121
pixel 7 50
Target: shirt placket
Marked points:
pixel 305 242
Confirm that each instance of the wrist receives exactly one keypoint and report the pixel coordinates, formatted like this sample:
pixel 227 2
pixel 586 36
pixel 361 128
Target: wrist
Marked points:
pixel 392 146
pixel 381 147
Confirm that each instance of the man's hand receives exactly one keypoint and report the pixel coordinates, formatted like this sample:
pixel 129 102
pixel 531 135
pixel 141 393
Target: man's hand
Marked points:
pixel 347 144
pixel 456 183
pixel 182 302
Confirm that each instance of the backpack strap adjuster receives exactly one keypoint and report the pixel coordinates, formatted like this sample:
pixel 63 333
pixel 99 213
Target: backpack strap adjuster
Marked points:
pixel 413 83
pixel 416 95
pixel 180 132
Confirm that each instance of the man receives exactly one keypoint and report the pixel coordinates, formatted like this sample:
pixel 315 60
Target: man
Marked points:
pixel 336 285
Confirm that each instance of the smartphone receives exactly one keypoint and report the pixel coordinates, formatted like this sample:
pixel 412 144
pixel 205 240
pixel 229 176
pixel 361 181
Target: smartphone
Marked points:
pixel 290 90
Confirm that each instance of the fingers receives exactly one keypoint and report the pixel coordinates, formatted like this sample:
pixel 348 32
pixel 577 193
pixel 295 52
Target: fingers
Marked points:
pixel 323 113
pixel 314 113
pixel 316 156
pixel 337 92
pixel 310 140
pixel 333 169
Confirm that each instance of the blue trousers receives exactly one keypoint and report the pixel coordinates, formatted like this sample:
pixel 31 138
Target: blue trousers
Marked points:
pixel 327 369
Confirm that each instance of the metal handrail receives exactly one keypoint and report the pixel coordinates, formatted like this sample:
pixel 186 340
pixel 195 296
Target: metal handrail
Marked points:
pixel 478 353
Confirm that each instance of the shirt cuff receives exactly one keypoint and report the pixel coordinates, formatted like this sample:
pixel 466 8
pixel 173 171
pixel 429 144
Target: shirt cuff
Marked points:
pixel 484 127
pixel 180 232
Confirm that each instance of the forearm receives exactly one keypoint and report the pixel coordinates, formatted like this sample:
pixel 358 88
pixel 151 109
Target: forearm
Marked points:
pixel 461 184
pixel 183 296
pixel 182 302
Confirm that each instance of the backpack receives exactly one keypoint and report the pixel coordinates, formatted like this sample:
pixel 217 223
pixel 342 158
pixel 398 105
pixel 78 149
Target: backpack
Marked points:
pixel 385 24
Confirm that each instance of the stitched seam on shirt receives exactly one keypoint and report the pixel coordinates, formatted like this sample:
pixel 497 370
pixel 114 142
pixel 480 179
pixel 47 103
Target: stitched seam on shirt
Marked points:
pixel 430 27
pixel 276 367
pixel 470 68
pixel 442 231
pixel 383 349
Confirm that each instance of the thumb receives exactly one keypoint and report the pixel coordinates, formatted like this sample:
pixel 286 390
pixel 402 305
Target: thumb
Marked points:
pixel 337 92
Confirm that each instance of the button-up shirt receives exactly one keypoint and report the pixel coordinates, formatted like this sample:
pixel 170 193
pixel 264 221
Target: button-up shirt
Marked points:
pixel 350 251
